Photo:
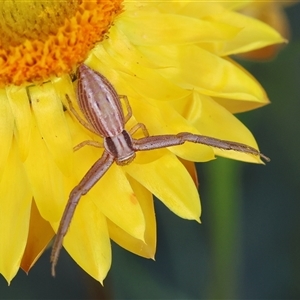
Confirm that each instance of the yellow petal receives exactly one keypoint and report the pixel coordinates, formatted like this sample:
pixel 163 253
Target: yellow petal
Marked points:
pixel 87 240
pixel 191 168
pixel 208 74
pixel 45 178
pixel 144 248
pixel 254 34
pixel 271 13
pixel 6 128
pixel 115 198
pixel 170 182
pixel 171 29
pixel 21 110
pixel 48 110
pixel 63 85
pixel 235 5
pixel 15 202
pixel 39 236
pixel 234 105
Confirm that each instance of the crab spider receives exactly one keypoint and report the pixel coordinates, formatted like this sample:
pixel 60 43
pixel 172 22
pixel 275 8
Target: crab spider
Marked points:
pixel 101 106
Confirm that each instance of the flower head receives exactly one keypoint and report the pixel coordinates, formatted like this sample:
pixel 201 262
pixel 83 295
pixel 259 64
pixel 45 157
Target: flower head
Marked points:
pixel 177 76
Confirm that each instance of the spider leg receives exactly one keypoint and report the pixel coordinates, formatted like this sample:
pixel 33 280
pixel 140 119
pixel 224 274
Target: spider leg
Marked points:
pixel 88 142
pixel 138 126
pixel 162 141
pixel 87 182
pixel 78 117
pixel 128 107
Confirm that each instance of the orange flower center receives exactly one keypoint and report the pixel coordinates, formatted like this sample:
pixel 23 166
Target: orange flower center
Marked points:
pixel 40 39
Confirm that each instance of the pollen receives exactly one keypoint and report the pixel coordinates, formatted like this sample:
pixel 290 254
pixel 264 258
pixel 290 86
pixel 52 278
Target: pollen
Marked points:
pixel 43 39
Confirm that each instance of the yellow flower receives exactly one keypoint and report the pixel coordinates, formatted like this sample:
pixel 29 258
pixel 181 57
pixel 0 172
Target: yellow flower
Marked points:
pixel 171 60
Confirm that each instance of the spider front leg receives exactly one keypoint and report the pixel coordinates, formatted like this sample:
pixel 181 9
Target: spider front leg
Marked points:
pixel 89 143
pixel 88 181
pixel 78 117
pixel 86 125
pixel 138 126
pixel 162 141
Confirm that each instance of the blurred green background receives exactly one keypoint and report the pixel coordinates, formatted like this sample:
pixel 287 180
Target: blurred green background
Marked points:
pixel 248 245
